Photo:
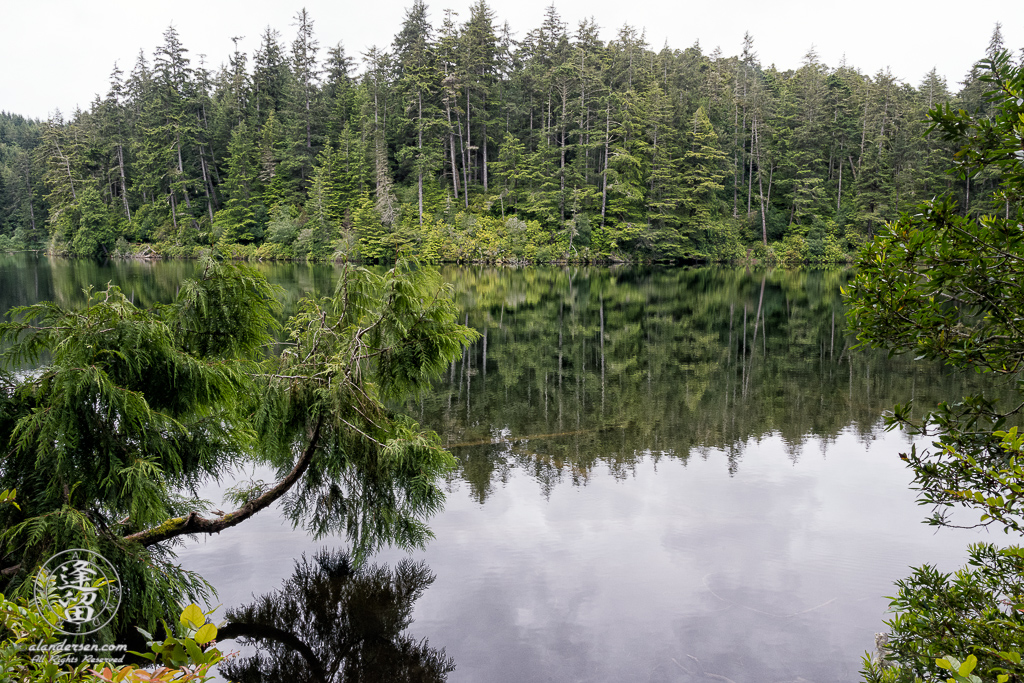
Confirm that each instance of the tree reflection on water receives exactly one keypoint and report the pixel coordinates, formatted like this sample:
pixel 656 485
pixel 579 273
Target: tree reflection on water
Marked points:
pixel 335 621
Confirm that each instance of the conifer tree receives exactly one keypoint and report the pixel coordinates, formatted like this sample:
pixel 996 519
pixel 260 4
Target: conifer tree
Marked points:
pixel 305 105
pixel 703 167
pixel 61 152
pixel 271 76
pixel 418 81
pixel 238 221
pixel 479 48
pixel 665 196
pixel 339 91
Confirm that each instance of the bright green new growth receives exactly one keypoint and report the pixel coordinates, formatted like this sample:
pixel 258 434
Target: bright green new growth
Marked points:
pixel 131 409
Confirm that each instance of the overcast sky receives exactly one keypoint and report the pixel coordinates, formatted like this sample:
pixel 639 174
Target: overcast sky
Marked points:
pixel 59 53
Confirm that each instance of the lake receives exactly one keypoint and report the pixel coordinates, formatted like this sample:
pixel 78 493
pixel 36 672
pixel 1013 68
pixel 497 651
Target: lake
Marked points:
pixel 664 474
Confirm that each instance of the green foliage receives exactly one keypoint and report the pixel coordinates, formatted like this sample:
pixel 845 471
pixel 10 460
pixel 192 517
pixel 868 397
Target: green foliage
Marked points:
pixel 131 409
pixel 237 221
pixel 370 231
pixel 189 656
pixel 644 148
pixel 962 671
pixel 96 230
pixel 380 337
pixel 975 610
pixel 284 228
pixel 22 627
pixel 945 286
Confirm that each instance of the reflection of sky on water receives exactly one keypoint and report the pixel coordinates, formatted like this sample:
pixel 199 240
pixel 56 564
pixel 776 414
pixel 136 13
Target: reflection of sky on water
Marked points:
pixel 773 573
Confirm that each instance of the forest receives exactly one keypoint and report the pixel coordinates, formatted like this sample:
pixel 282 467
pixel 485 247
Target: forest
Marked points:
pixel 470 143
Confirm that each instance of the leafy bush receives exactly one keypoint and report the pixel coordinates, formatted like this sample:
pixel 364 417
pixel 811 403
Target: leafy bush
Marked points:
pixel 7 244
pixel 183 658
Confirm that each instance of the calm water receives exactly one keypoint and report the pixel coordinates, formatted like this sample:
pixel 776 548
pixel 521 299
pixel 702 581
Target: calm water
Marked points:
pixel 662 474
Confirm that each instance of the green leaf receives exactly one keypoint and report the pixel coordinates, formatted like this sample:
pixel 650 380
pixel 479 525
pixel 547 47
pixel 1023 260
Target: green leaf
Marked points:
pixel 193 616
pixel 205 634
pixel 194 652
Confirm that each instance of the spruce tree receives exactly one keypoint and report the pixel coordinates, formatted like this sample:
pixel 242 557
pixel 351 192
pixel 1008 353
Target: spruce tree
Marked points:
pixel 238 221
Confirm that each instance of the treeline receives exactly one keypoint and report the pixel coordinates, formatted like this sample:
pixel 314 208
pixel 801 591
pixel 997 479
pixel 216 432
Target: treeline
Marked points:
pixel 461 142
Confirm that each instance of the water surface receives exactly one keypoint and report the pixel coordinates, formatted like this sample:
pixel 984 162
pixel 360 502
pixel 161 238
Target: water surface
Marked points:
pixel 662 473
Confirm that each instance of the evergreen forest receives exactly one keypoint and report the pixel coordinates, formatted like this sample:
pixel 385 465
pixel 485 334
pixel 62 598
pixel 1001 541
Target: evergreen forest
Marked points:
pixel 464 141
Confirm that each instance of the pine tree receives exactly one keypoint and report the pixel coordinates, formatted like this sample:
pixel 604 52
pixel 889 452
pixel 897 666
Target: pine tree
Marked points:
pixel 339 90
pixel 418 81
pixel 114 132
pixel 305 106
pixel 511 172
pixel 479 49
pixel 703 168
pixel 807 157
pixel 237 221
pixel 627 171
pixel 322 205
pixel 270 78
pixel 61 153
pixel 370 230
pixel 170 128
pixel 664 197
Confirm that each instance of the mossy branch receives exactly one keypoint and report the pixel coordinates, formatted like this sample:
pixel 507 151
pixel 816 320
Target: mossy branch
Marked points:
pixel 193 523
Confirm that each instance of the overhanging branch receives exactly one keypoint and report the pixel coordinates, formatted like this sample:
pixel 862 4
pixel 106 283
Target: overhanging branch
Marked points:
pixel 193 523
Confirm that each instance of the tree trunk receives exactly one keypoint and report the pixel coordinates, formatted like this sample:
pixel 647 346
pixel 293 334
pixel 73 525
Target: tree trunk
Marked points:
pixel 464 153
pixel 654 156
pixel 194 524
pixel 124 183
pixel 309 136
pixel 181 171
pixel 451 150
pixel 735 160
pixel 750 175
pixel 760 187
pixel 67 165
pixel 864 128
pixel 607 135
pixel 174 211
pixel 207 185
pixel 561 180
pixel 839 197
pixel 547 121
pixel 583 113
pixel 484 146
pixel 31 210
pixel 419 146
pixel 469 139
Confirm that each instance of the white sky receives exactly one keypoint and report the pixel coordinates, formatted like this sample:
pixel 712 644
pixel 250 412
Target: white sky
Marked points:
pixel 59 53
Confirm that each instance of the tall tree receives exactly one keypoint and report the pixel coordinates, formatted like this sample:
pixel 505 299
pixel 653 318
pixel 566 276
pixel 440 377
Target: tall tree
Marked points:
pixel 239 220
pixel 306 75
pixel 703 168
pixel 479 50
pixel 418 81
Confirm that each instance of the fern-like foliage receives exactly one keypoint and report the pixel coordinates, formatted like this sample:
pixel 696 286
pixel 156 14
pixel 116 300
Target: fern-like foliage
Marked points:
pixel 130 409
